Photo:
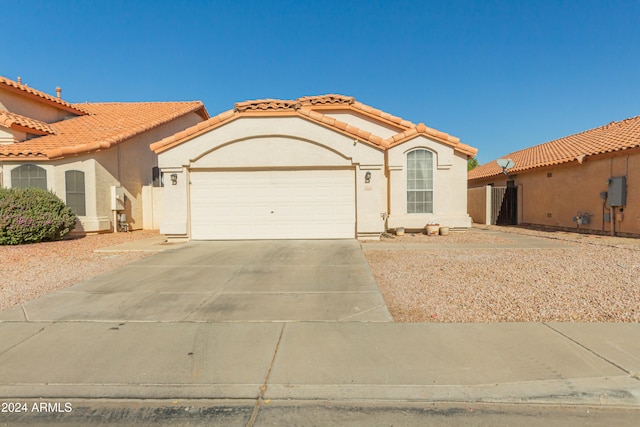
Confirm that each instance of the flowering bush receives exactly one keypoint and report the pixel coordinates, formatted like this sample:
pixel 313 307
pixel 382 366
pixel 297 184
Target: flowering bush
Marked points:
pixel 30 215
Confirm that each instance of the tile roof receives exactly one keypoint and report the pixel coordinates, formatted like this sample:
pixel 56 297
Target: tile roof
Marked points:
pixel 41 96
pixel 422 129
pixel 330 99
pixel 310 108
pixel 616 136
pixel 102 126
pixel 265 105
pixel 334 101
pixel 12 120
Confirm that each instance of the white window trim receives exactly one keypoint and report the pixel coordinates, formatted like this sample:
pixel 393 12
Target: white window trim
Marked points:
pixel 425 190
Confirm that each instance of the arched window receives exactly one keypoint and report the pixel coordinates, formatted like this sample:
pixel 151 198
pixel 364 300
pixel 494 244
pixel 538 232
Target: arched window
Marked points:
pixel 75 194
pixel 420 181
pixel 29 176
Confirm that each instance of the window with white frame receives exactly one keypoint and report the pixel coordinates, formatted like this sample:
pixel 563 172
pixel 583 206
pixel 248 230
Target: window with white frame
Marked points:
pixel 75 194
pixel 420 181
pixel 29 176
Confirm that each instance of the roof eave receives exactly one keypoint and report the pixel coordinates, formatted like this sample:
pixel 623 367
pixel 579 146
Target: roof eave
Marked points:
pixel 465 149
pixel 193 132
pixel 61 152
pixel 40 98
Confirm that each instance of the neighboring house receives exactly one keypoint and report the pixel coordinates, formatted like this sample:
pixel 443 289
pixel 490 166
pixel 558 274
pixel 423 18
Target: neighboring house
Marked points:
pixel 587 181
pixel 81 151
pixel 314 167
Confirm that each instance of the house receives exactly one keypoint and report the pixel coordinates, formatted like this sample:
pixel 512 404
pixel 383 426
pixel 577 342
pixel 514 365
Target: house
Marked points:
pixel 314 167
pixel 588 181
pixel 84 152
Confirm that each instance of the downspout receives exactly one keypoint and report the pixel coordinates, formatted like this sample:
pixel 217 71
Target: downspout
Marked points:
pixel 521 207
pixel 604 202
pixel 613 221
pixel 115 213
pixel 388 175
pixel 118 153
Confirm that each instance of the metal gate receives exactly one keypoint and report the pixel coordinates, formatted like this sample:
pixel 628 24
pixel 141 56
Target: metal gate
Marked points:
pixel 505 205
pixel 497 196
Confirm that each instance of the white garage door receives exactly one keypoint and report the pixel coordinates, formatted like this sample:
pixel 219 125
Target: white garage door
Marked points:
pixel 296 204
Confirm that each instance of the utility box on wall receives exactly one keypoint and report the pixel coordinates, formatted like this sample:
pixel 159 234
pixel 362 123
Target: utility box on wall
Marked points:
pixel 617 191
pixel 117 198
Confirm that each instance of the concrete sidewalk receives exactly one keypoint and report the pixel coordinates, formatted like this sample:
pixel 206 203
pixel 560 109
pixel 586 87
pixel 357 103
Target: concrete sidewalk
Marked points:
pixel 557 363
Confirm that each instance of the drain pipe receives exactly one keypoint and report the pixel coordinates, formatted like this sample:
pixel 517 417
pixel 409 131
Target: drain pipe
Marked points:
pixel 603 195
pixel 613 221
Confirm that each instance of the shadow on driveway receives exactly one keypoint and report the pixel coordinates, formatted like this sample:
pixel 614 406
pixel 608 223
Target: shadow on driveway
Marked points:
pixel 225 281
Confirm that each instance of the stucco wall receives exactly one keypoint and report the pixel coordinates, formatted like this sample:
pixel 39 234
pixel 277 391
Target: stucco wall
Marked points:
pixel 449 186
pixel 479 204
pixel 153 207
pixel 571 188
pixel 52 183
pixel 128 164
pixel 7 135
pixel 23 105
pixel 280 142
pixel 56 183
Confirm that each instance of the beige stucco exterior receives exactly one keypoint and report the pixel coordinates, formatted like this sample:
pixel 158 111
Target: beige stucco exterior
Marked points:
pixel 33 108
pixel 479 204
pixel 292 142
pixel 128 165
pixel 272 143
pixel 553 196
pixel 449 182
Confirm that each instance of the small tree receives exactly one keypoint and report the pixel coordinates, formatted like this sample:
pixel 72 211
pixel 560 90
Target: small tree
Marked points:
pixel 31 215
pixel 472 163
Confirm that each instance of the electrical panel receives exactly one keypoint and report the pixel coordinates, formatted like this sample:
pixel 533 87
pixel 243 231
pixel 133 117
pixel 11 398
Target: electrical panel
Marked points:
pixel 617 191
pixel 117 198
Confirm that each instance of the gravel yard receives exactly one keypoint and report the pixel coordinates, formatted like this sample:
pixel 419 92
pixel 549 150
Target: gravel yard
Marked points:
pixel 30 271
pixel 597 280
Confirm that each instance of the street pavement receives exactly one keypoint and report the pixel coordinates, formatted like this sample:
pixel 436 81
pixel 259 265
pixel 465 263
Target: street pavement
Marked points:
pixel 276 333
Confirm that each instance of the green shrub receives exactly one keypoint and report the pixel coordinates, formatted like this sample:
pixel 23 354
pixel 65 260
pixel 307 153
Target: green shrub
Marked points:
pixel 30 215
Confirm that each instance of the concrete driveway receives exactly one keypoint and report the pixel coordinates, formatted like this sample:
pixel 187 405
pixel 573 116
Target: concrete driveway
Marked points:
pixel 234 281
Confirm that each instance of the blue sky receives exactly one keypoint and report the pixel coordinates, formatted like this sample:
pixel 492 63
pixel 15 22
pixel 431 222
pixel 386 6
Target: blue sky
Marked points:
pixel 500 75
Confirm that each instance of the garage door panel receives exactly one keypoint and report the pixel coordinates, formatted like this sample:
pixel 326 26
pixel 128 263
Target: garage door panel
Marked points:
pixel 273 204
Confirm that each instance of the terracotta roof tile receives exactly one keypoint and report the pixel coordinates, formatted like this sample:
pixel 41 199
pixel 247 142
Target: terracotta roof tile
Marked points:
pixel 311 107
pixel 421 129
pixel 331 99
pixel 615 136
pixel 15 86
pixel 334 101
pixel 342 127
pixel 358 106
pixel 9 119
pixel 266 104
pixel 193 131
pixel 105 125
